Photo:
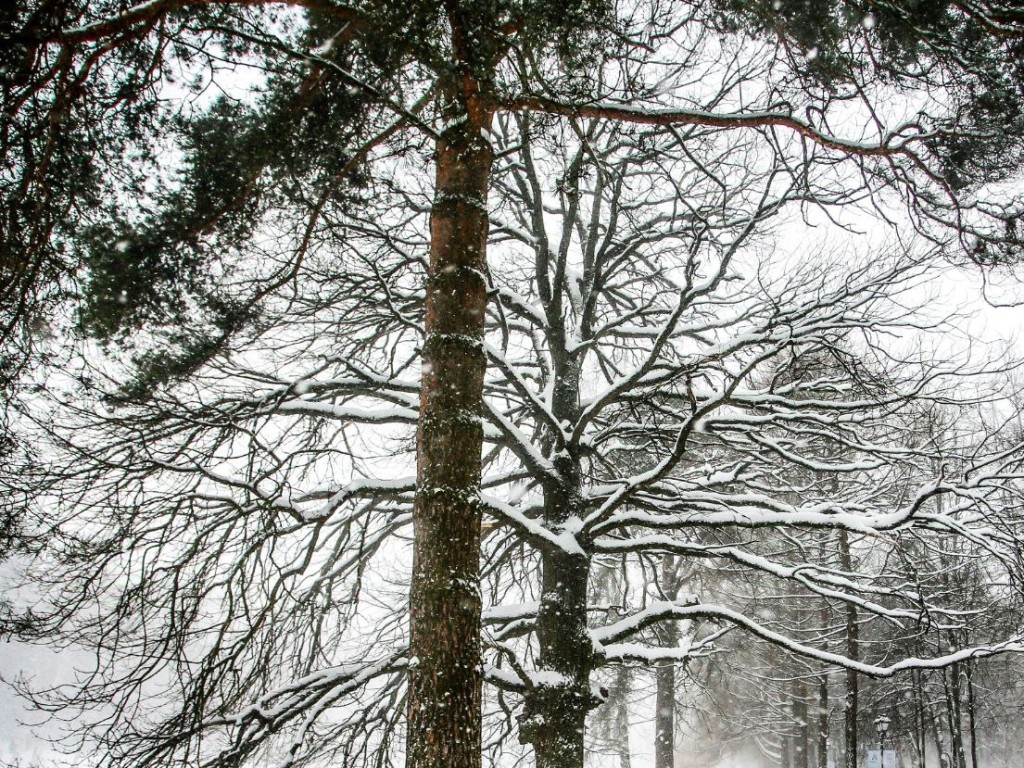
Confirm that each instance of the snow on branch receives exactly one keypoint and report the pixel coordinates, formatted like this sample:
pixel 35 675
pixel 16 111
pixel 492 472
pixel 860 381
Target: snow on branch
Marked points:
pixel 689 610
pixel 532 530
pixel 307 698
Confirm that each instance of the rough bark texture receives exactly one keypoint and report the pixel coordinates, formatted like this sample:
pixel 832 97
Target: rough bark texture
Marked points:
pixel 851 705
pixel 555 711
pixel 445 683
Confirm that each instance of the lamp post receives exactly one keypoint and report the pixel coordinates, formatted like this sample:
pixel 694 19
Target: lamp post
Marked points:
pixel 882 727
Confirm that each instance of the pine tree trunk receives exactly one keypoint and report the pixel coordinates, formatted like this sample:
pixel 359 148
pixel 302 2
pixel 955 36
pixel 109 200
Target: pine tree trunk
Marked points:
pixel 444 728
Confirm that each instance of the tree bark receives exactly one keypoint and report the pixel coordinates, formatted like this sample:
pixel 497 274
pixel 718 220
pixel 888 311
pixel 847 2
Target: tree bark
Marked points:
pixel 555 710
pixel 939 734
pixel 802 741
pixel 664 720
pixel 921 731
pixel 822 726
pixel 786 750
pixel 622 687
pixel 851 704
pixel 444 727
pixel 951 683
pixel 971 712
pixel 665 675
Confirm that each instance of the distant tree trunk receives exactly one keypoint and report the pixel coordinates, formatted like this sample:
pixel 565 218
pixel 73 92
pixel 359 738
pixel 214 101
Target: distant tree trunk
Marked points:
pixel 968 671
pixel 622 686
pixel 444 726
pixel 822 727
pixel 920 735
pixel 951 683
pixel 665 717
pixel 665 676
pixel 801 747
pixel 786 750
pixel 850 705
pixel 821 723
pixel 939 734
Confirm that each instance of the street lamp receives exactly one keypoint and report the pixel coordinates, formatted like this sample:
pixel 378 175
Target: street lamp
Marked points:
pixel 882 727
